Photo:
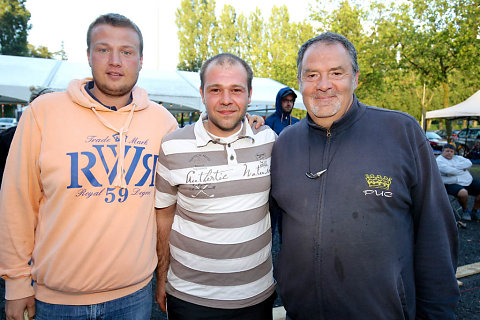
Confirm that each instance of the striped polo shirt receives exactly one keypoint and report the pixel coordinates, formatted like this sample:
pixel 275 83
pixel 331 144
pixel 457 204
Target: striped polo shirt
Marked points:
pixel 220 243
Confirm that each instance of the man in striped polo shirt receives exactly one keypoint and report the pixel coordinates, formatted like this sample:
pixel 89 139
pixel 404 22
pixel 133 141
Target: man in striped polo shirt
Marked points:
pixel 213 182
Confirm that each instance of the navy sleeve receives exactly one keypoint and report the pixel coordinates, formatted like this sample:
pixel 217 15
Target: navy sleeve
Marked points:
pixel 436 239
pixel 269 122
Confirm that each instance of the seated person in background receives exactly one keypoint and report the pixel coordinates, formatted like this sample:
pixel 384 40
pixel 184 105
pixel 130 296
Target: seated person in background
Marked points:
pixel 458 180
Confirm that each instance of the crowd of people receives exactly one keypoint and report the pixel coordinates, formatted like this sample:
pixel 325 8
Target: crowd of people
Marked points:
pixel 101 190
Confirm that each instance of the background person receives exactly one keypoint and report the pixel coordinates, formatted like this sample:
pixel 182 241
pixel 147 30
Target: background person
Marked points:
pixel 458 180
pixel 213 183
pixel 6 136
pixel 368 231
pixel 78 190
pixel 282 117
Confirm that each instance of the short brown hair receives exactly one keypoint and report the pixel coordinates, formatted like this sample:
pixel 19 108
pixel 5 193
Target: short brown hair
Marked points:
pixel 114 20
pixel 230 59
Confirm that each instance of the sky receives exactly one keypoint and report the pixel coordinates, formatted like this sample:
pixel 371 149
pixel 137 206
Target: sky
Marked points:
pixel 54 21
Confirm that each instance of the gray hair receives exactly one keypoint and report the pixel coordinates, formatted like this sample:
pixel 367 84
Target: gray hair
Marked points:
pixel 329 38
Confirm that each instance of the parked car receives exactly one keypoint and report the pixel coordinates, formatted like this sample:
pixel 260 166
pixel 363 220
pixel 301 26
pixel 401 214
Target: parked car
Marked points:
pixel 443 133
pixel 6 123
pixel 466 140
pixel 436 142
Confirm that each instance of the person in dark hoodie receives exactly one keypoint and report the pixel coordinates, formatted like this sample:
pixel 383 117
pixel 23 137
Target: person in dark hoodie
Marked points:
pixel 368 231
pixel 282 117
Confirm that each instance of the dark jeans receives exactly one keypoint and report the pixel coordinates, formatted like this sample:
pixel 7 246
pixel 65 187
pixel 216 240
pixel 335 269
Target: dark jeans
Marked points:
pixel 135 306
pixel 181 310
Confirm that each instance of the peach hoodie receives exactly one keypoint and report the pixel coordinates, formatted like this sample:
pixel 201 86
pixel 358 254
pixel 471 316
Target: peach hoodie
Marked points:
pixel 77 198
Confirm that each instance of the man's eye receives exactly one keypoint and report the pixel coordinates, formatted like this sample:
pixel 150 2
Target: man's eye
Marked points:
pixel 336 75
pixel 311 76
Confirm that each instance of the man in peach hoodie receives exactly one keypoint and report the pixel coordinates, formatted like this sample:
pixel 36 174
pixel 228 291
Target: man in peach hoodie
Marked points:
pixel 77 222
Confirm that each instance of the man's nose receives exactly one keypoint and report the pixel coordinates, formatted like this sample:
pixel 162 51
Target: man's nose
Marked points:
pixel 324 83
pixel 114 58
pixel 226 97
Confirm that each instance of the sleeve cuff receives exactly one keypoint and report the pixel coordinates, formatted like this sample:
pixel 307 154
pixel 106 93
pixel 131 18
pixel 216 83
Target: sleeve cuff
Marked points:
pixel 18 288
pixel 163 200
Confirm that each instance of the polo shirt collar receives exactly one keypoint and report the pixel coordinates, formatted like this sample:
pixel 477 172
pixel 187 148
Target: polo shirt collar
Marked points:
pixel 202 136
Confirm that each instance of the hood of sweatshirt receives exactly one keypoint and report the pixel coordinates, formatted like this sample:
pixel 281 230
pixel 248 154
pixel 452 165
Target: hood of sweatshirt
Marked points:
pixel 278 101
pixel 77 92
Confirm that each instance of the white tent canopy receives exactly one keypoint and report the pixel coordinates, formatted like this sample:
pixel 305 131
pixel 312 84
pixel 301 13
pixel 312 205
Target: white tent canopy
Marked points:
pixel 469 108
pixel 177 90
pixel 20 73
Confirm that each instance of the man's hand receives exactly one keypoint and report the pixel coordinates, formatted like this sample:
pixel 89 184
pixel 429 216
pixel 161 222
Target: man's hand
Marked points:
pixel 255 120
pixel 14 309
pixel 161 296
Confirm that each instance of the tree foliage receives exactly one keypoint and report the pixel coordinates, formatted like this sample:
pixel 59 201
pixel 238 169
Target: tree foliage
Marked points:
pixel 14 27
pixel 402 46
pixel 39 52
pixel 195 20
pixel 269 47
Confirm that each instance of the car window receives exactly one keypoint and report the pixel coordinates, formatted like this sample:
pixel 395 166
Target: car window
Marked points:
pixel 433 135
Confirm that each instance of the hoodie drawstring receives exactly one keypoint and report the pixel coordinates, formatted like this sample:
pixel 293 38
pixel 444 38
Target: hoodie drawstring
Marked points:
pixel 120 177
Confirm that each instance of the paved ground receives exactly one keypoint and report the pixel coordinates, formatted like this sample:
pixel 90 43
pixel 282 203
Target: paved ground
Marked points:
pixel 469 252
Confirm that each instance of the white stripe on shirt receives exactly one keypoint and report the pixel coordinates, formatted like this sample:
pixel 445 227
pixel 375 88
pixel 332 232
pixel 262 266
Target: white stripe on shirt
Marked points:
pixel 227 204
pixel 220 236
pixel 237 292
pixel 198 263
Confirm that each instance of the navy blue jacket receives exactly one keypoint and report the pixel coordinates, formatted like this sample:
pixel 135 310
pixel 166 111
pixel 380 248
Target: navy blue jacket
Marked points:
pixel 280 120
pixel 374 236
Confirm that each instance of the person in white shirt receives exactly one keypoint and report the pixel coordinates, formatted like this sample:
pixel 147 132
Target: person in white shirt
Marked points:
pixel 458 180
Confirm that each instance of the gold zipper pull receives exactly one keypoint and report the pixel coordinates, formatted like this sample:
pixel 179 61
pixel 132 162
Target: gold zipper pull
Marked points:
pixel 329 134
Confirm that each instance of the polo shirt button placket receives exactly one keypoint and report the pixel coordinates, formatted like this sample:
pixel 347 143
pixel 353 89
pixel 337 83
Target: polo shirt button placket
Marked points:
pixel 232 157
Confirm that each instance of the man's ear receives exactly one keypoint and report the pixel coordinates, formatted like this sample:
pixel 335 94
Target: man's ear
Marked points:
pixel 355 85
pixel 88 57
pixel 201 94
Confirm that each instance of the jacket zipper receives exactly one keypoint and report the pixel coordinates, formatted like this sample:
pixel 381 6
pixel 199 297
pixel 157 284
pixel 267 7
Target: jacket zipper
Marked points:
pixel 320 208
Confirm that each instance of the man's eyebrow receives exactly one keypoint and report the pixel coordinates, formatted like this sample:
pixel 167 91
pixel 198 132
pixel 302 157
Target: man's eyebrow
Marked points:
pixel 220 85
pixel 108 45
pixel 337 68
pixel 331 69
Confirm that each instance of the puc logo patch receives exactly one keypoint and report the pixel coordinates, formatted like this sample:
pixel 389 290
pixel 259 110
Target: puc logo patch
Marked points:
pixel 376 182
